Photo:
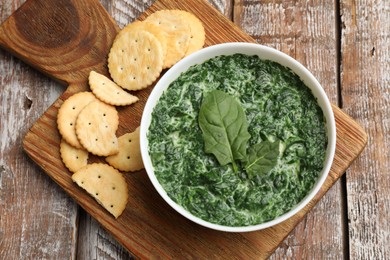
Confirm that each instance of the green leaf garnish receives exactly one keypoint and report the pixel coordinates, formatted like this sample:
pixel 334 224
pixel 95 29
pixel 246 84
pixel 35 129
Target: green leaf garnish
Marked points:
pixel 262 158
pixel 224 126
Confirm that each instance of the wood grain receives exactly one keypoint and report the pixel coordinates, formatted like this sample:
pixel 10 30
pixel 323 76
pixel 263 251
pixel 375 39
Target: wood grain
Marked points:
pixel 305 30
pixel 365 89
pixel 63 30
pixel 33 209
pixel 163 239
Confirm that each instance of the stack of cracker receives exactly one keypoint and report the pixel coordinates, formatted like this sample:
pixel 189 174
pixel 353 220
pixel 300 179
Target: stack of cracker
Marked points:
pixel 88 121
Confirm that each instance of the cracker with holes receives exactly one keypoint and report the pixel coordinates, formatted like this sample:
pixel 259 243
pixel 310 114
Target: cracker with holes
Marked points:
pixel 151 28
pixel 67 115
pixel 129 156
pixel 178 31
pixel 73 158
pixel 106 184
pixel 198 35
pixel 107 91
pixel 135 59
pixel 96 125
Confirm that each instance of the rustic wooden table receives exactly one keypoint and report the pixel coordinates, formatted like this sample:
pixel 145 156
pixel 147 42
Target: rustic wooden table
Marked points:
pixel 346 44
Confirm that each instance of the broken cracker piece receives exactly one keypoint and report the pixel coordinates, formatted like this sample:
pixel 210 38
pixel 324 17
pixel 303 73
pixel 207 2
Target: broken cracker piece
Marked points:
pixel 106 184
pixel 107 91
pixel 73 158
pixel 129 156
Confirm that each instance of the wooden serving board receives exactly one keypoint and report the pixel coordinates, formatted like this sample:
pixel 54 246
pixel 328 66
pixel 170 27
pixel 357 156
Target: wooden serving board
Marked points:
pixel 65 39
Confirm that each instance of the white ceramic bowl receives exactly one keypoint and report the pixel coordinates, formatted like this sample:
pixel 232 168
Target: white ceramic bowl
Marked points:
pixel 264 53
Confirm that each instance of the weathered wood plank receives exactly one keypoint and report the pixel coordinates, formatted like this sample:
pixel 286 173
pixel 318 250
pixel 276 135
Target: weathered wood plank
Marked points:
pixel 365 82
pixel 94 242
pixel 225 7
pixel 305 31
pixel 37 219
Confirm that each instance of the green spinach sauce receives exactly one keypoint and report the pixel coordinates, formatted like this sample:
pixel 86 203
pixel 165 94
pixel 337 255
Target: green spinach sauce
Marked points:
pixel 278 106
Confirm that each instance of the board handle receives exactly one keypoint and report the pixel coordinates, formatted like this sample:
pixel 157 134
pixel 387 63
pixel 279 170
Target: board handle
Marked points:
pixel 64 39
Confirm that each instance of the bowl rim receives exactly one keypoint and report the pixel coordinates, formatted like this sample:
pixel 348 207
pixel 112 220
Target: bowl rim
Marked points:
pixel 264 52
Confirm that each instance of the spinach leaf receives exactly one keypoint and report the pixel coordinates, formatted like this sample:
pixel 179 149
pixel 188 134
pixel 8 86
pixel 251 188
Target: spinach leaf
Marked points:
pixel 262 158
pixel 224 127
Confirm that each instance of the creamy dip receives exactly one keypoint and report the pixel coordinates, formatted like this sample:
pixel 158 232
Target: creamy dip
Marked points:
pixel 277 105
